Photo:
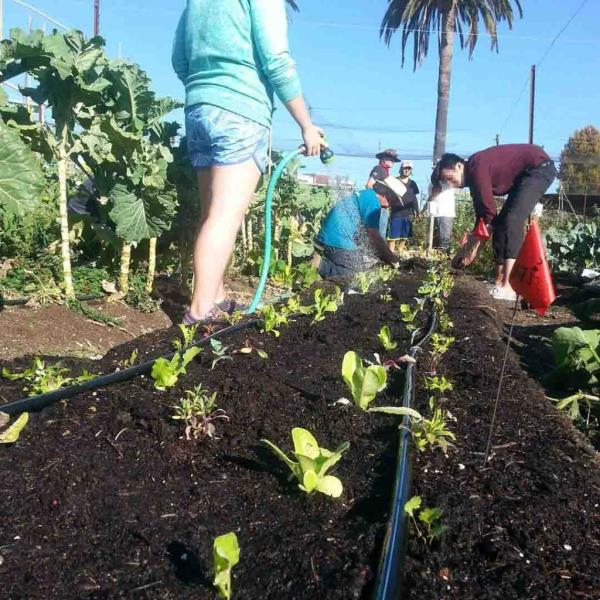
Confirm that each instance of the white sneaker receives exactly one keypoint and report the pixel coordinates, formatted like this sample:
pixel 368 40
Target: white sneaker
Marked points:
pixel 504 293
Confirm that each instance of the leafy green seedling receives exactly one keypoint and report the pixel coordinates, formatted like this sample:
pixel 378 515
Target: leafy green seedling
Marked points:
pixel 226 554
pixel 188 333
pixel 272 320
pixel 445 322
pixel 363 281
pixel 294 306
pixel 235 317
pixel 571 404
pixel 43 378
pixel 312 463
pixel 129 362
pixel 249 347
pixel 199 410
pixel 386 273
pixel 363 382
pixel 166 372
pixel 386 339
pixel 438 384
pixel 219 352
pixel 425 432
pixel 385 297
pixel 430 517
pixel 11 434
pixel 325 303
pixel 439 346
pixel 433 432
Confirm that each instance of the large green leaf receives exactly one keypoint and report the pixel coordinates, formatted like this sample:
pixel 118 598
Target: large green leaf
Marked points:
pixel 21 179
pixel 136 217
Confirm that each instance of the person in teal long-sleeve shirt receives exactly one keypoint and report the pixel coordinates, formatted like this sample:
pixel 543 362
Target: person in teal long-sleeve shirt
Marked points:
pixel 232 57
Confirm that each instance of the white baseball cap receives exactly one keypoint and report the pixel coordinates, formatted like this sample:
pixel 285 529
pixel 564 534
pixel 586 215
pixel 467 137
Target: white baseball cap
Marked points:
pixel 405 164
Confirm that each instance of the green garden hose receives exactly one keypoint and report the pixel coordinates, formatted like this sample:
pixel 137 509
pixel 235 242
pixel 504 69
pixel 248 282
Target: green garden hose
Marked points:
pixel 326 157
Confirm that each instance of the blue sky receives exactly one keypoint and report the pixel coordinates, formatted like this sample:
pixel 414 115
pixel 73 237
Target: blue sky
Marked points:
pixel 354 81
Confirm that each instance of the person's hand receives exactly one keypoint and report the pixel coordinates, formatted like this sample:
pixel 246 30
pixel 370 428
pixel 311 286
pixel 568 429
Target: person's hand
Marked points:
pixel 313 140
pixel 468 253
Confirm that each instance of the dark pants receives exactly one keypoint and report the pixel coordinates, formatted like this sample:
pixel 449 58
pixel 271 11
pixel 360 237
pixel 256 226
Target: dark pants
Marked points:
pixel 337 262
pixel 442 232
pixel 509 224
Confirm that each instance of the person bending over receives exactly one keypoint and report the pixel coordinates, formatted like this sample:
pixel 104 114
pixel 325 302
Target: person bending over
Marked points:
pixel 351 229
pixel 522 171
pixel 232 56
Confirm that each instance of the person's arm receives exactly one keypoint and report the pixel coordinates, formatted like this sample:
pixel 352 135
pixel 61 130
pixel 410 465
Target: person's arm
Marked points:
pixel 380 247
pixel 178 57
pixel 370 183
pixel 269 31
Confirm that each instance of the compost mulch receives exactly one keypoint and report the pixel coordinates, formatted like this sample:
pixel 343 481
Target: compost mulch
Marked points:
pixel 528 524
pixel 103 498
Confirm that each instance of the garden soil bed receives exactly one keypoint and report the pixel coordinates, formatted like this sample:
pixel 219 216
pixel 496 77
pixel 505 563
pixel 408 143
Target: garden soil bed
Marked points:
pixel 103 499
pixel 528 524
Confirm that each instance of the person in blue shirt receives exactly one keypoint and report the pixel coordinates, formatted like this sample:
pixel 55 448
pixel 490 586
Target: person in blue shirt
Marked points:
pixel 351 230
pixel 232 57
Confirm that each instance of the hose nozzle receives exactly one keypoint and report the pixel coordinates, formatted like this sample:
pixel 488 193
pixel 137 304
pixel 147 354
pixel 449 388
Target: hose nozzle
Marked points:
pixel 327 155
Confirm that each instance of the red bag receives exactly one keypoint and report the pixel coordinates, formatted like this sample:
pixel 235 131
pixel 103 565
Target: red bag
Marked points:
pixel 531 277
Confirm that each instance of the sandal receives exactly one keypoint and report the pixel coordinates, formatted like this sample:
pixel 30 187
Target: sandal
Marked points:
pixel 229 306
pixel 212 316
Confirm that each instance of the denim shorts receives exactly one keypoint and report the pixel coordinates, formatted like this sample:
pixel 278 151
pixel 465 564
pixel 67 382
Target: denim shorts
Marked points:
pixel 218 137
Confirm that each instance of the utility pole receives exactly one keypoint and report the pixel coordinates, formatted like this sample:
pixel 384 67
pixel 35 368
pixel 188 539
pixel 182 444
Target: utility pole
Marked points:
pixel 96 17
pixel 532 104
pixel 497 139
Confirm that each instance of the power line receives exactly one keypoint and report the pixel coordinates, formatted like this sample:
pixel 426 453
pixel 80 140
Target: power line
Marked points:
pixel 42 14
pixel 436 31
pixel 547 51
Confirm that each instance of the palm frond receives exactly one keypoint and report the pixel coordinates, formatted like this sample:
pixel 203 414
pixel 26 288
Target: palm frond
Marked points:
pixel 418 19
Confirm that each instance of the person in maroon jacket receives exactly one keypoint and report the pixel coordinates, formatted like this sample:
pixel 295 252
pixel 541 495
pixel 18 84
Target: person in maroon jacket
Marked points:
pixel 522 171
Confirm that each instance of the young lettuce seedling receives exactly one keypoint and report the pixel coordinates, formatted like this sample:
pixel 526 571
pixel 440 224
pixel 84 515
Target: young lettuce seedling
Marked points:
pixel 226 554
pixel 386 339
pixel 363 281
pixel 325 303
pixel 312 463
pixel 166 372
pixel 294 306
pixel 438 384
pixel 363 382
pixel 272 320
pixel 43 378
pixel 188 333
pixel 439 346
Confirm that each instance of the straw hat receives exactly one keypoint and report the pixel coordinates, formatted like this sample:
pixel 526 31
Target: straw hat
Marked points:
pixel 395 185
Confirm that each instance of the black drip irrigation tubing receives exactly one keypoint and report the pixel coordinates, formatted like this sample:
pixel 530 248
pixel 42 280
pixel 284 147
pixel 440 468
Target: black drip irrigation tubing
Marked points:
pixel 23 301
pixel 37 403
pixel 389 581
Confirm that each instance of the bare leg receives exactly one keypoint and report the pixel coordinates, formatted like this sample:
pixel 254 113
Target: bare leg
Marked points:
pixel 498 274
pixel 228 191
pixel 509 263
pixel 392 245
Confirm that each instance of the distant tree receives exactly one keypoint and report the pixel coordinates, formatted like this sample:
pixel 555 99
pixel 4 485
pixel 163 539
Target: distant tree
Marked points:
pixel 442 19
pixel 580 162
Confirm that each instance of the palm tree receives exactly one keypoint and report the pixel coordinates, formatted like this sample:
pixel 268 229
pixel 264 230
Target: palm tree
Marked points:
pixel 444 18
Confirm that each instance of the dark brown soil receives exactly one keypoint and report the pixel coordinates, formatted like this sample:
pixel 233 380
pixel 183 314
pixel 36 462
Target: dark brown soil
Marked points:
pixel 56 330
pixel 103 499
pixel 528 524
